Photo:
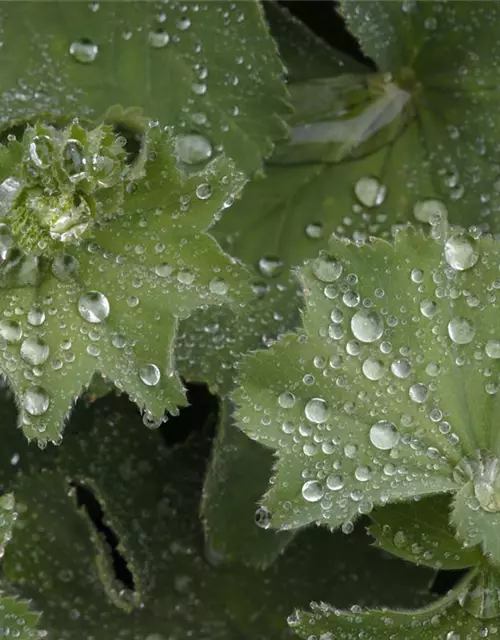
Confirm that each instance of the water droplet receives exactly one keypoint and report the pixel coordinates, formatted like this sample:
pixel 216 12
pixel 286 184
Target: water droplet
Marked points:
pixel 84 50
pixel 314 230
pixel 312 491
pixel 263 518
pixel 158 38
pixel 34 351
pixel 400 540
pixel 373 369
pixel 367 326
pixel 461 330
pixel 36 401
pixel 326 268
pixel 10 330
pixel 286 400
pixel 163 270
pixel 428 308
pixel 418 392
pixel 370 192
pixel 41 151
pixel 203 191
pixel 218 286
pixel 417 275
pixel 362 474
pixel 460 252
pixel 384 435
pixel 335 483
pixel 492 349
pixel 430 211
pixel 36 317
pixel 150 375
pixel 193 149
pixel 93 307
pixel 316 410
pixel 74 161
pixel 430 23
pixel 183 23
pixel 270 266
pixel 401 368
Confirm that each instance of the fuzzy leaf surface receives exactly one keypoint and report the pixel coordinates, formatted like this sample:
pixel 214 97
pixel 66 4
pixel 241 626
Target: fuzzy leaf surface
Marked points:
pixel 390 388
pixel 148 495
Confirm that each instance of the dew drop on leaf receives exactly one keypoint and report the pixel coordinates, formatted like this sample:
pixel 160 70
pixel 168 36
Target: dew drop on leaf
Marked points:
pixel 314 230
pixel 373 369
pixel 263 517
pixel 36 317
pixel 41 151
pixel 401 368
pixel 163 270
pixel 367 326
pixel 93 307
pixel 158 38
pixel 370 192
pixel 150 374
pixel 270 266
pixel 312 491
pixel 492 349
pixel 428 308
pixel 316 410
pixel 418 392
pixel 84 50
pixel 218 286
pixel 286 400
pixel 453 635
pixel 327 269
pixel 384 435
pixel 461 330
pixel 193 149
pixel 430 211
pixel 335 483
pixel 34 351
pixel 10 330
pixel 36 401
pixel 460 252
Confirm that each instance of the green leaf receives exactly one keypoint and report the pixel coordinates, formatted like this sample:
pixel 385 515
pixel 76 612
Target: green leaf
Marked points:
pixel 443 620
pixel 131 62
pixel 391 386
pixel 17 620
pixel 112 302
pixel 148 496
pixel 420 532
pixel 235 526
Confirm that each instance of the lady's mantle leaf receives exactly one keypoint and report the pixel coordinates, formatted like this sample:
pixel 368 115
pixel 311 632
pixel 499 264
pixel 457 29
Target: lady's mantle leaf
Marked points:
pixel 210 68
pixel 17 620
pixel 419 531
pixel 391 387
pixel 107 289
pixel 458 616
pixel 149 496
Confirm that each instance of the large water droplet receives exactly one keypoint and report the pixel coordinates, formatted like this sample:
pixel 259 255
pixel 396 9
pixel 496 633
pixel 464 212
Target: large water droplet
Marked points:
pixel 93 307
pixel 36 316
pixel 367 326
pixel 384 435
pixel 312 491
pixel 335 483
pixel 193 149
pixel 373 369
pixel 150 375
pixel 316 410
pixel 492 349
pixel 370 192
pixel 401 368
pixel 460 252
pixel 327 269
pixel 36 401
pixel 461 330
pixel 286 400
pixel 84 50
pixel 419 392
pixel 34 351
pixel 263 518
pixel 218 286
pixel 430 211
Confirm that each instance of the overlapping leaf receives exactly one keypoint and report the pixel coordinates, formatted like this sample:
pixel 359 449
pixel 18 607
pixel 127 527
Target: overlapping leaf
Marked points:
pixel 168 584
pixel 209 68
pixel 390 388
pixel 112 304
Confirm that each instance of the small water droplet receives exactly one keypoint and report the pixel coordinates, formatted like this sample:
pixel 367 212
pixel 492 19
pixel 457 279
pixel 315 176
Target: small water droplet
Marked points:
pixel 373 369
pixel 270 266
pixel 41 151
pixel 430 211
pixel 312 491
pixel 158 38
pixel 401 368
pixel 34 351
pixel 218 286
pixel 492 349
pixel 370 192
pixel 93 307
pixel 460 252
pixel 84 50
pixel 193 149
pixel 314 230
pixel 150 374
pixel 36 317
pixel 418 392
pixel 384 435
pixel 461 330
pixel 203 191
pixel 316 410
pixel 335 483
pixel 286 400
pixel 367 326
